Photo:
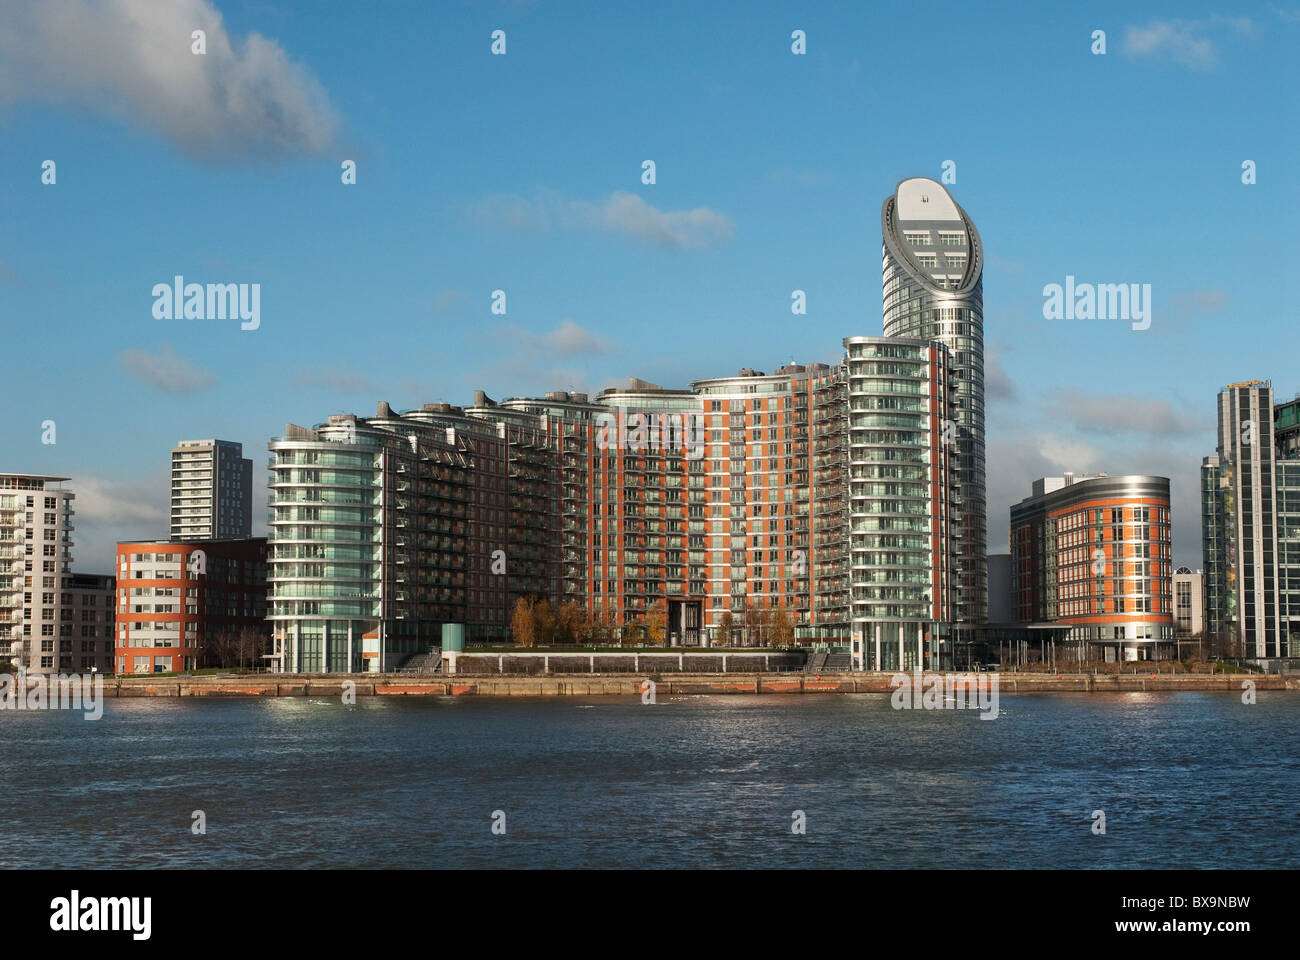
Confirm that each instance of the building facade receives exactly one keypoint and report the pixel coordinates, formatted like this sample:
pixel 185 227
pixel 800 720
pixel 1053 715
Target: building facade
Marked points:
pixel 1189 603
pixel 212 491
pixel 54 620
pixel 1250 525
pixel 901 454
pixel 1094 553
pixel 384 529
pixel 703 500
pixel 175 600
pixel 933 267
pixel 1001 607
pixel 817 494
pixel 843 502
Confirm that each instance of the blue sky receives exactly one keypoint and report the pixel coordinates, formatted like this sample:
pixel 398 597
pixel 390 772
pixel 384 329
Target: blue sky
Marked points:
pixel 522 172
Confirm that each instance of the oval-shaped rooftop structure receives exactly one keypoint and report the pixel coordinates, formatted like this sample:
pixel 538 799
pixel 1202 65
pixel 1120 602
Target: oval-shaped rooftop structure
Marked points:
pixel 923 199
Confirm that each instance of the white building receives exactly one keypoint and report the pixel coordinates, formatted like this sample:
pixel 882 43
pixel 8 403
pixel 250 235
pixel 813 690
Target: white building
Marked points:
pixel 51 619
pixel 1189 602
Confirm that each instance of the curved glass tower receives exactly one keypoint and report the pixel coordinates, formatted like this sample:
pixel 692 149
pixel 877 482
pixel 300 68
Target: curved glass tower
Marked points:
pixel 933 270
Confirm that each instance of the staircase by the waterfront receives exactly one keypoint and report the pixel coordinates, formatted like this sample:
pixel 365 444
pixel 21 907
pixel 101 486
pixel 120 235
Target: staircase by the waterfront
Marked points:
pixel 430 662
pixel 816 662
pixel 838 663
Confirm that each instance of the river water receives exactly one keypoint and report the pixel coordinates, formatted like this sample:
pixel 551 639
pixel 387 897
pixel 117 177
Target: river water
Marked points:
pixel 1183 779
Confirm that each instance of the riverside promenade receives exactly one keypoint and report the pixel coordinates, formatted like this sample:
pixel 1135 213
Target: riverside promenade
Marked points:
pixel 677 684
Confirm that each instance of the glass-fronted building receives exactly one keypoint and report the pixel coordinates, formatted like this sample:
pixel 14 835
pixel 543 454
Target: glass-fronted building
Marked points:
pixel 933 290
pixel 901 552
pixel 1248 515
pixel 385 529
pixel 837 504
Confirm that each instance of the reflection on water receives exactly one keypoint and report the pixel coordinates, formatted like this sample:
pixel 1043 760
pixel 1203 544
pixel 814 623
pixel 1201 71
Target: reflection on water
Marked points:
pixel 689 782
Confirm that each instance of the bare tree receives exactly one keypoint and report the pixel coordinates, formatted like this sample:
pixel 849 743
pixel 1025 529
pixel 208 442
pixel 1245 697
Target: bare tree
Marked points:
pixel 753 621
pixel 726 625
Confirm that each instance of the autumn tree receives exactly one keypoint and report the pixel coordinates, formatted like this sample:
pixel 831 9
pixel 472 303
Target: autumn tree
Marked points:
pixel 571 622
pixel 523 626
pixel 656 623
pixel 545 622
pixel 781 633
pixel 633 631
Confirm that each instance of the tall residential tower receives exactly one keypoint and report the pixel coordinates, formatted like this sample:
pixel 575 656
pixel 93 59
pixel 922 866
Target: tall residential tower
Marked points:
pixel 933 269
pixel 212 491
pixel 1250 526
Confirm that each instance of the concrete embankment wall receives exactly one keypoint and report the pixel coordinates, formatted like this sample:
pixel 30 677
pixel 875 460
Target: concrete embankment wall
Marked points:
pixel 676 685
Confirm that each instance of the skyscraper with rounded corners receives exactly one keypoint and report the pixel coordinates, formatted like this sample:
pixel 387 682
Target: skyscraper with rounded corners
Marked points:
pixel 933 266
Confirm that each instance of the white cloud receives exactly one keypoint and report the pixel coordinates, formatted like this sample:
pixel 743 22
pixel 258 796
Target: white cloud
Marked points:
pixel 1122 413
pixel 165 370
pixel 1188 42
pixel 569 338
pixel 628 214
pixel 621 214
pixel 1066 454
pixel 132 60
pixel 536 363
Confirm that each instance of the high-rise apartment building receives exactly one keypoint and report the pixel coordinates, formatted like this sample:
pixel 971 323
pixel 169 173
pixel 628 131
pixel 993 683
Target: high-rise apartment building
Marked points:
pixel 53 620
pixel 900 458
pixel 212 491
pixel 817 492
pixel 705 500
pixel 1094 553
pixel 1250 525
pixel 385 528
pixel 846 498
pixel 933 266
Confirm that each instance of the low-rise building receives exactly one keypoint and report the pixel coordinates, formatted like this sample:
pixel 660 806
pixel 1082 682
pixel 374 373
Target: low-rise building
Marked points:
pixel 1093 553
pixel 1189 602
pixel 176 601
